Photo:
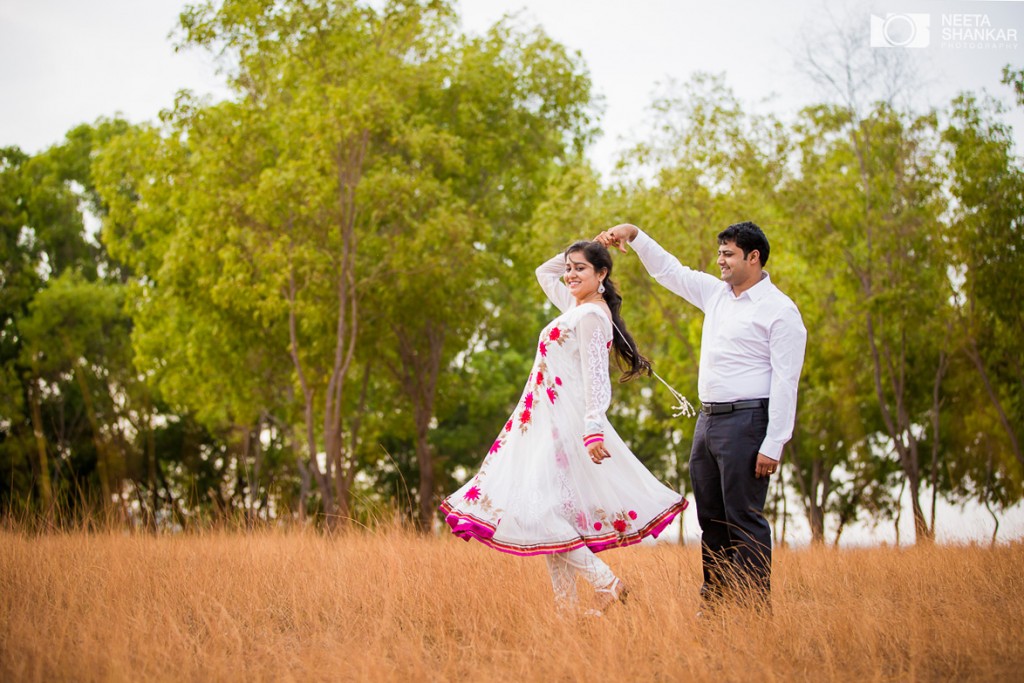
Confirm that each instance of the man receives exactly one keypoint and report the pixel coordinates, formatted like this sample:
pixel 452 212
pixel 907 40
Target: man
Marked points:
pixel 752 350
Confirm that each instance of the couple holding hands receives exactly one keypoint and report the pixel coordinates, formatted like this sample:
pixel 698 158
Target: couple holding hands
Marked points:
pixel 559 482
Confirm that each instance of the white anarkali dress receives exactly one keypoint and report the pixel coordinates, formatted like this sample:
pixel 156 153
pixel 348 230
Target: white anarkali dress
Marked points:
pixel 537 491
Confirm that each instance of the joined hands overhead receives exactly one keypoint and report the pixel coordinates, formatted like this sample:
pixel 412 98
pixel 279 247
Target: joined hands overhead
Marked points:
pixel 618 237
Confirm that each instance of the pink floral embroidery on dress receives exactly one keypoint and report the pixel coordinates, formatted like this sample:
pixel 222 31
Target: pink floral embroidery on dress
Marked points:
pixel 558 381
pixel 542 347
pixel 528 401
pixel 540 377
pixel 524 420
pixel 618 520
pixel 558 335
pixel 508 426
pixel 472 494
pixel 552 395
pixel 495 447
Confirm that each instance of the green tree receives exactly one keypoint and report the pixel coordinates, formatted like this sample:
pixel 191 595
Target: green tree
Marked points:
pixel 43 200
pixel 362 192
pixel 868 198
pixel 985 249
pixel 22 440
pixel 79 329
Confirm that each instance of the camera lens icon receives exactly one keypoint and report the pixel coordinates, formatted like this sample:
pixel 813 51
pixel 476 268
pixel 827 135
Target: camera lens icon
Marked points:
pixel 900 30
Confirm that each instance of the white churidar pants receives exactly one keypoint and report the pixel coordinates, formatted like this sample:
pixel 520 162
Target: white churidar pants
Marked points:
pixel 564 567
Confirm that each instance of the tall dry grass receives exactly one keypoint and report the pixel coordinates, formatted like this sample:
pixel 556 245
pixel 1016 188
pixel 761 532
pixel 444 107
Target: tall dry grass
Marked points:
pixel 394 606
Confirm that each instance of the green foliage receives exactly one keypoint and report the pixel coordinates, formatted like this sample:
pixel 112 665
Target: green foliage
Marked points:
pixel 66 362
pixel 984 243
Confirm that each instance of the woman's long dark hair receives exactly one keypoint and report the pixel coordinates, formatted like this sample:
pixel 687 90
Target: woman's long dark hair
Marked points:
pixel 628 356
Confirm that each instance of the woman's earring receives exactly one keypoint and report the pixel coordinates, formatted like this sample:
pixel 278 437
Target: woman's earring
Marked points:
pixel 600 288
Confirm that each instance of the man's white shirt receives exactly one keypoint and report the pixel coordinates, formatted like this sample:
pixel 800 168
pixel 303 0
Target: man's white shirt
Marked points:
pixel 752 346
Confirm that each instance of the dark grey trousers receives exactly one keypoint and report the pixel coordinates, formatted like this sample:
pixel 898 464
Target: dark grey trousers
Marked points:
pixel 736 541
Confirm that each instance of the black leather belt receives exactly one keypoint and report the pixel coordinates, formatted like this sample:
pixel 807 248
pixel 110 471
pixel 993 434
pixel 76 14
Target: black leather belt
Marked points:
pixel 721 408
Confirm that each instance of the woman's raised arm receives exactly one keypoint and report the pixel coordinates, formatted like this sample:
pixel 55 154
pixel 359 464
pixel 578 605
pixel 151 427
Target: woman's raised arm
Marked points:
pixel 549 275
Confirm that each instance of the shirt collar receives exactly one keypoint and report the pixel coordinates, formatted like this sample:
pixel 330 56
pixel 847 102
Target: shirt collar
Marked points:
pixel 761 289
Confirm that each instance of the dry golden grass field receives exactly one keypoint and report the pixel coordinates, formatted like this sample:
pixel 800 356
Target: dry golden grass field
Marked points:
pixel 392 606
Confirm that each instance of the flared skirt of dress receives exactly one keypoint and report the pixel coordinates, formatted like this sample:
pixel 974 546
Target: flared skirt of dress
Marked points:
pixel 538 492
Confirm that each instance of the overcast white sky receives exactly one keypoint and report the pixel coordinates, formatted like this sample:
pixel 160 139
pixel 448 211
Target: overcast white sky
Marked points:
pixel 65 62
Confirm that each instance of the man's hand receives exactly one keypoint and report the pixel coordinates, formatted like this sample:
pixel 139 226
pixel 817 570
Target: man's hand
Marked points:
pixel 765 466
pixel 598 452
pixel 618 236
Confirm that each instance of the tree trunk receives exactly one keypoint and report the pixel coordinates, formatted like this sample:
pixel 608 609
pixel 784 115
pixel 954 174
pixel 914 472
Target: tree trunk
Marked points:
pixel 305 489
pixel 151 475
pixel 420 352
pixel 936 407
pixel 102 459
pixel 45 490
pixel 426 488
pixel 245 455
pixel 424 413
pixel 292 438
pixel 809 484
pixel 348 160
pixel 819 482
pixel 345 473
pixel 921 531
pixel 840 528
pixel 987 499
pixel 308 402
pixel 899 509
pixel 257 466
pixel 898 424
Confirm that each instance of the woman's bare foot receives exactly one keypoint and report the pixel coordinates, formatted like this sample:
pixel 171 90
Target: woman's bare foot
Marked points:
pixel 618 591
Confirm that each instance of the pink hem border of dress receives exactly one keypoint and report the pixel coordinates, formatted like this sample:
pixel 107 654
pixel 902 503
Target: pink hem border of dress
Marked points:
pixel 467 527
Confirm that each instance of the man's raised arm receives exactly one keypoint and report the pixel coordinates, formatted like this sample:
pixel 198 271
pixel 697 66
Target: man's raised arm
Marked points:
pixel 694 286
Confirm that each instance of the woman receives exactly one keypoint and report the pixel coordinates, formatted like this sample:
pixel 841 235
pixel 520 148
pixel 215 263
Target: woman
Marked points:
pixel 558 480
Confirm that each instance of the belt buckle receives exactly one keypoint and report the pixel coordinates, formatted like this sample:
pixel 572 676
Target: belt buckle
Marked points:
pixel 716 408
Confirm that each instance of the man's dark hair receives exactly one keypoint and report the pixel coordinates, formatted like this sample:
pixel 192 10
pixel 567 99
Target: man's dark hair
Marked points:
pixel 747 237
